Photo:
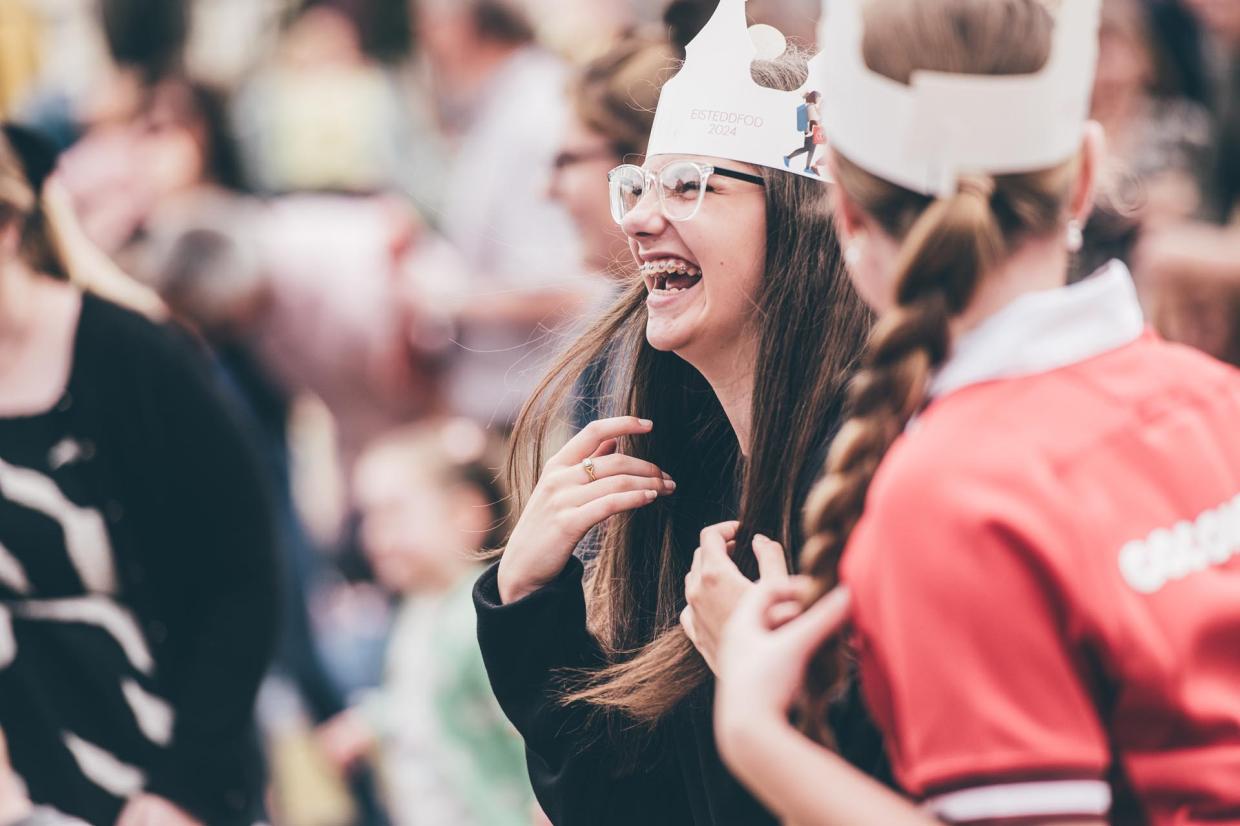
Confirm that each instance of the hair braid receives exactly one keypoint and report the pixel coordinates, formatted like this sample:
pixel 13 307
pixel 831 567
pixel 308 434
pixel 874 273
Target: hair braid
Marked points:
pixel 949 246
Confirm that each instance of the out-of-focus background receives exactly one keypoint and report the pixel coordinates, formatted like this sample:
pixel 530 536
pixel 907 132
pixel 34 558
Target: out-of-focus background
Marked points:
pixel 384 216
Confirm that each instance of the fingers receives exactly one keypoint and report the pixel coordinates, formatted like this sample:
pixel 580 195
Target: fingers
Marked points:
pixel 581 494
pixel 687 623
pixel 616 464
pixel 772 564
pixel 783 612
pixel 595 434
pixel 607 447
pixel 821 620
pixel 718 536
pixel 604 507
pixel 752 609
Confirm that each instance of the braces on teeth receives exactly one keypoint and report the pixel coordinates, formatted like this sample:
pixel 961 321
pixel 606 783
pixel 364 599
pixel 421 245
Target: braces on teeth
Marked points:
pixel 669 268
pixel 660 270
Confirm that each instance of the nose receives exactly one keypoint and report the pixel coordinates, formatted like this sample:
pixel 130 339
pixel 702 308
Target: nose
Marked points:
pixel 646 218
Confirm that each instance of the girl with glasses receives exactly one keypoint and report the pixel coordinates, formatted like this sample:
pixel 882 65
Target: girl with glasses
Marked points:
pixel 1035 503
pixel 726 358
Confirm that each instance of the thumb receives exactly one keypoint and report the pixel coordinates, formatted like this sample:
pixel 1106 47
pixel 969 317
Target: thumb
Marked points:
pixel 820 621
pixel 754 604
pixel 772 565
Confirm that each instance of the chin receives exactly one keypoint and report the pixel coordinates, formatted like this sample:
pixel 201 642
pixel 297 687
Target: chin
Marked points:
pixel 665 340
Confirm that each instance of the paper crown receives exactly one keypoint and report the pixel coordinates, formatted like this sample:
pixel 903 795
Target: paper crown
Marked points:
pixel 925 135
pixel 713 106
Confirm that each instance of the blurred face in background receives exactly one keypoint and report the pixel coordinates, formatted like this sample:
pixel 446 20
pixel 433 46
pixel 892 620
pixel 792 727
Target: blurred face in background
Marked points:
pixel 322 37
pixel 174 141
pixel 579 184
pixel 417 532
pixel 445 35
pixel 1125 59
pixel 1222 17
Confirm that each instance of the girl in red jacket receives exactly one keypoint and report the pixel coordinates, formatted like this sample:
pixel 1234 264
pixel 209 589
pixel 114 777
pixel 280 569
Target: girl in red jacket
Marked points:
pixel 1035 506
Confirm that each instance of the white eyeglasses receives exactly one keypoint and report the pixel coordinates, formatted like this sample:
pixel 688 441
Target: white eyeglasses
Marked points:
pixel 681 186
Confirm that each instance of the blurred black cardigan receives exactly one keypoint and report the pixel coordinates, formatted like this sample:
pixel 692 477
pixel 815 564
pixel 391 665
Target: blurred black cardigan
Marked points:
pixel 197 562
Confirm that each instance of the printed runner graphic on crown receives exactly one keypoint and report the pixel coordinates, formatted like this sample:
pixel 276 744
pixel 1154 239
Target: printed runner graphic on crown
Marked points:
pixel 713 106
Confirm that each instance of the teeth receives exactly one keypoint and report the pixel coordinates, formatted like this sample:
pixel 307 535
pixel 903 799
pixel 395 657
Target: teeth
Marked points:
pixel 669 266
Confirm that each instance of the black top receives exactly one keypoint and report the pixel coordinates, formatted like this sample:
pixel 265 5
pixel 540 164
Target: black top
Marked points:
pixel 137 580
pixel 580 776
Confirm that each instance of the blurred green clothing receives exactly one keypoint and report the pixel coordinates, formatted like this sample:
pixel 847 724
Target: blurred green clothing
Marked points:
pixel 447 753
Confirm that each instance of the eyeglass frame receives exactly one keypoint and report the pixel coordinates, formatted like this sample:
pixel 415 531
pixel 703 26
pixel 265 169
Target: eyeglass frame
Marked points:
pixel 651 180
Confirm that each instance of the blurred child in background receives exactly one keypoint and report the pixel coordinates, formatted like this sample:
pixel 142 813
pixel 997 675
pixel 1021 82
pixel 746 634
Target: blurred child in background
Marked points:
pixel 429 504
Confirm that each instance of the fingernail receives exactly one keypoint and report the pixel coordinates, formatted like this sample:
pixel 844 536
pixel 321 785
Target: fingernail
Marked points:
pixel 669 484
pixel 650 494
pixel 760 538
pixel 666 476
pixel 645 423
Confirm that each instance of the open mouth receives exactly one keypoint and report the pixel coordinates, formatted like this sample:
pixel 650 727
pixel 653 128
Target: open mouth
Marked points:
pixel 670 275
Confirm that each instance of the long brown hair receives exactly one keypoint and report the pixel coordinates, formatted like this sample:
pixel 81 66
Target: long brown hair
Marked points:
pixel 810 326
pixel 948 245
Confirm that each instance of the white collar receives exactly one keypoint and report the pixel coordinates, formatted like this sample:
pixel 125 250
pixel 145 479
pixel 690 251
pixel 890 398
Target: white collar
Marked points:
pixel 1046 330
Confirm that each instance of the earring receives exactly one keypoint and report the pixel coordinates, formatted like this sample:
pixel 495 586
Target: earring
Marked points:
pixel 852 251
pixel 1076 237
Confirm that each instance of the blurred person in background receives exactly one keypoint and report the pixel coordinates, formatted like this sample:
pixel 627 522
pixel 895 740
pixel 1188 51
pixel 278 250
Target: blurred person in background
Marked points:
pixel 1189 272
pixel 1220 22
pixel 79 260
pixel 1160 141
pixel 502 102
pixel 297 291
pixel 613 99
pixel 1159 135
pixel 104 169
pixel 136 619
pixel 292 293
pixel 429 506
pixel 322 116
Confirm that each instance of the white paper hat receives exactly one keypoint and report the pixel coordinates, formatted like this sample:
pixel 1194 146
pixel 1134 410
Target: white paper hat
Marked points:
pixel 713 106
pixel 927 134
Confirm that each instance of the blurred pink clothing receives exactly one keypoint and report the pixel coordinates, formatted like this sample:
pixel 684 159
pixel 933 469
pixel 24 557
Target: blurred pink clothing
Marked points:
pixel 334 326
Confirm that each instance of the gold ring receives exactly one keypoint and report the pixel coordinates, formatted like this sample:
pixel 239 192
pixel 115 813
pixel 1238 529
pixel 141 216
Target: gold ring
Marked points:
pixel 588 464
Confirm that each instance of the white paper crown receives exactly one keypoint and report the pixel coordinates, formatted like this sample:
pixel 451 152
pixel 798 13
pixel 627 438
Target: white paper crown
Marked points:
pixel 925 135
pixel 713 106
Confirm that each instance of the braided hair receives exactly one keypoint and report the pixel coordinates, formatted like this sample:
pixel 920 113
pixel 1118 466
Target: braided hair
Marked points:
pixel 948 245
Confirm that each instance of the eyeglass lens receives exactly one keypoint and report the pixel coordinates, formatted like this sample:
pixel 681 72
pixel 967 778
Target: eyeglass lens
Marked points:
pixel 680 190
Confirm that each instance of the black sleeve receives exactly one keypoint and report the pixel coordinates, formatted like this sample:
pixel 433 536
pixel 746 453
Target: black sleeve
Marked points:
pixel 218 584
pixel 575 765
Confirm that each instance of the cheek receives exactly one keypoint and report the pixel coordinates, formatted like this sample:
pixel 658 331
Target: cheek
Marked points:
pixel 735 261
pixel 582 192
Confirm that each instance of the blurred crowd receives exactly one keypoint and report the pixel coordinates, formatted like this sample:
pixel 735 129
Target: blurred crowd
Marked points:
pixel 385 216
